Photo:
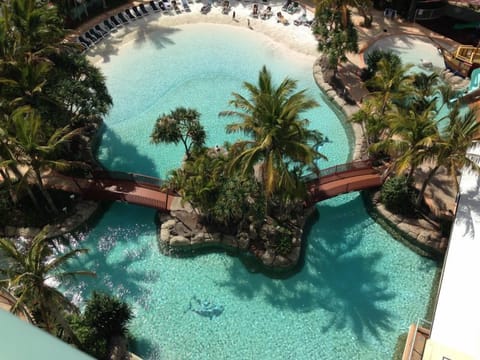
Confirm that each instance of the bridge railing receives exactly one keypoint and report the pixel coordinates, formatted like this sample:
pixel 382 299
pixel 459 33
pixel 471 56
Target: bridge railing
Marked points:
pixel 136 178
pixel 98 194
pixel 317 193
pixel 337 169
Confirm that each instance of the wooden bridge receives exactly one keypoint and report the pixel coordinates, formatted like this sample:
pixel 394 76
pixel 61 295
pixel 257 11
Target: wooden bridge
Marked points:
pixel 148 191
pixel 117 186
pixel 341 179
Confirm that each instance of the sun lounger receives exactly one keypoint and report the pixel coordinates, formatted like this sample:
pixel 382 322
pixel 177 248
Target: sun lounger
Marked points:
pixel 286 5
pixel 123 17
pixel 206 9
pixel 293 8
pixel 108 25
pixel 90 37
pixel 154 7
pixel 143 9
pixel 185 5
pixel 168 6
pixel 84 41
pixel 98 32
pixel 137 12
pixel 115 21
pixel 94 35
pixel 267 13
pixel 300 20
pixel 130 15
pixel 101 30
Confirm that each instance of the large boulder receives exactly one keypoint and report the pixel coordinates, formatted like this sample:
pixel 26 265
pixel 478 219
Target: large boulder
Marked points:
pixel 179 241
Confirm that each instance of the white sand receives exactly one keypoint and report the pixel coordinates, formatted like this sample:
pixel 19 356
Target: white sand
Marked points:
pixel 292 37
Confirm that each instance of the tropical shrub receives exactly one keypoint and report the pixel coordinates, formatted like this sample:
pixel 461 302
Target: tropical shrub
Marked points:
pixel 336 35
pixel 223 199
pixel 374 57
pixel 283 244
pixel 104 318
pixel 398 196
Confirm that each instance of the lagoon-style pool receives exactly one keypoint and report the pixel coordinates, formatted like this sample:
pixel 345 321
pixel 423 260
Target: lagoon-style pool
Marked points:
pixel 358 289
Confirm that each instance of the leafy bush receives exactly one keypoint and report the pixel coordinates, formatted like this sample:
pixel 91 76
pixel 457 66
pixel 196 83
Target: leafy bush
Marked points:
pixel 284 245
pixel 398 196
pixel 374 57
pixel 104 317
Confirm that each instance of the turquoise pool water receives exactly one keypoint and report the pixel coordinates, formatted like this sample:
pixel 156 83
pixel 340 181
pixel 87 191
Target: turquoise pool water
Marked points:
pixel 358 290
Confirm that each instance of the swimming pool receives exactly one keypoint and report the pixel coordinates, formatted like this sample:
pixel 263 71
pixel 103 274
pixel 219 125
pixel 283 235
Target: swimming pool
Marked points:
pixel 358 289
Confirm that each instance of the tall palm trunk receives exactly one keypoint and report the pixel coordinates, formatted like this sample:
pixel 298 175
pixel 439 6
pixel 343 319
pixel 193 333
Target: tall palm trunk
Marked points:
pixel 44 192
pixel 424 186
pixel 30 193
pixel 6 178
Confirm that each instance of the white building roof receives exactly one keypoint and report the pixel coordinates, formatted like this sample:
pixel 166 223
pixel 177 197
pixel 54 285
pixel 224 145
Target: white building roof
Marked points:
pixel 455 331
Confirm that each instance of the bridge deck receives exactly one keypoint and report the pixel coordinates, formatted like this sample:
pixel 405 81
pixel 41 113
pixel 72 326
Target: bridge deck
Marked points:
pixel 351 179
pixel 147 191
pixel 114 190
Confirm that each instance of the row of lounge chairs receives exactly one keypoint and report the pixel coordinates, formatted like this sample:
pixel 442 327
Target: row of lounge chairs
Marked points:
pixel 102 30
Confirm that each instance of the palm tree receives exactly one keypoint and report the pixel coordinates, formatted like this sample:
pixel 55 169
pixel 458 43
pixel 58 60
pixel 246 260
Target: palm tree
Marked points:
pixel 412 137
pixel 23 81
pixel 425 85
pixel 373 125
pixel 76 90
pixel 38 27
pixel 26 270
pixel 391 82
pixel 35 152
pixel 342 5
pixel 8 163
pixel 181 125
pixel 279 138
pixel 452 149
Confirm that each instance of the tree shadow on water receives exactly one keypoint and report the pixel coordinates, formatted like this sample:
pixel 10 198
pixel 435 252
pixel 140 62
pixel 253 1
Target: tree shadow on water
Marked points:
pixel 118 155
pixel 348 285
pixel 115 274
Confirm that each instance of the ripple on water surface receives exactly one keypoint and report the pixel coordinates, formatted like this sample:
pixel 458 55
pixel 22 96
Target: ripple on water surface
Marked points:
pixel 358 289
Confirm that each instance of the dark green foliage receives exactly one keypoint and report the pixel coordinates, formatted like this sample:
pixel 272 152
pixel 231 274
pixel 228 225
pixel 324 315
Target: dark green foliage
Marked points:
pixel 181 125
pixel 283 244
pixel 335 39
pixel 80 89
pixel 374 57
pixel 87 336
pixel 398 196
pixel 108 315
pixel 238 198
pixel 224 199
pixel 446 226
pixel 104 317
